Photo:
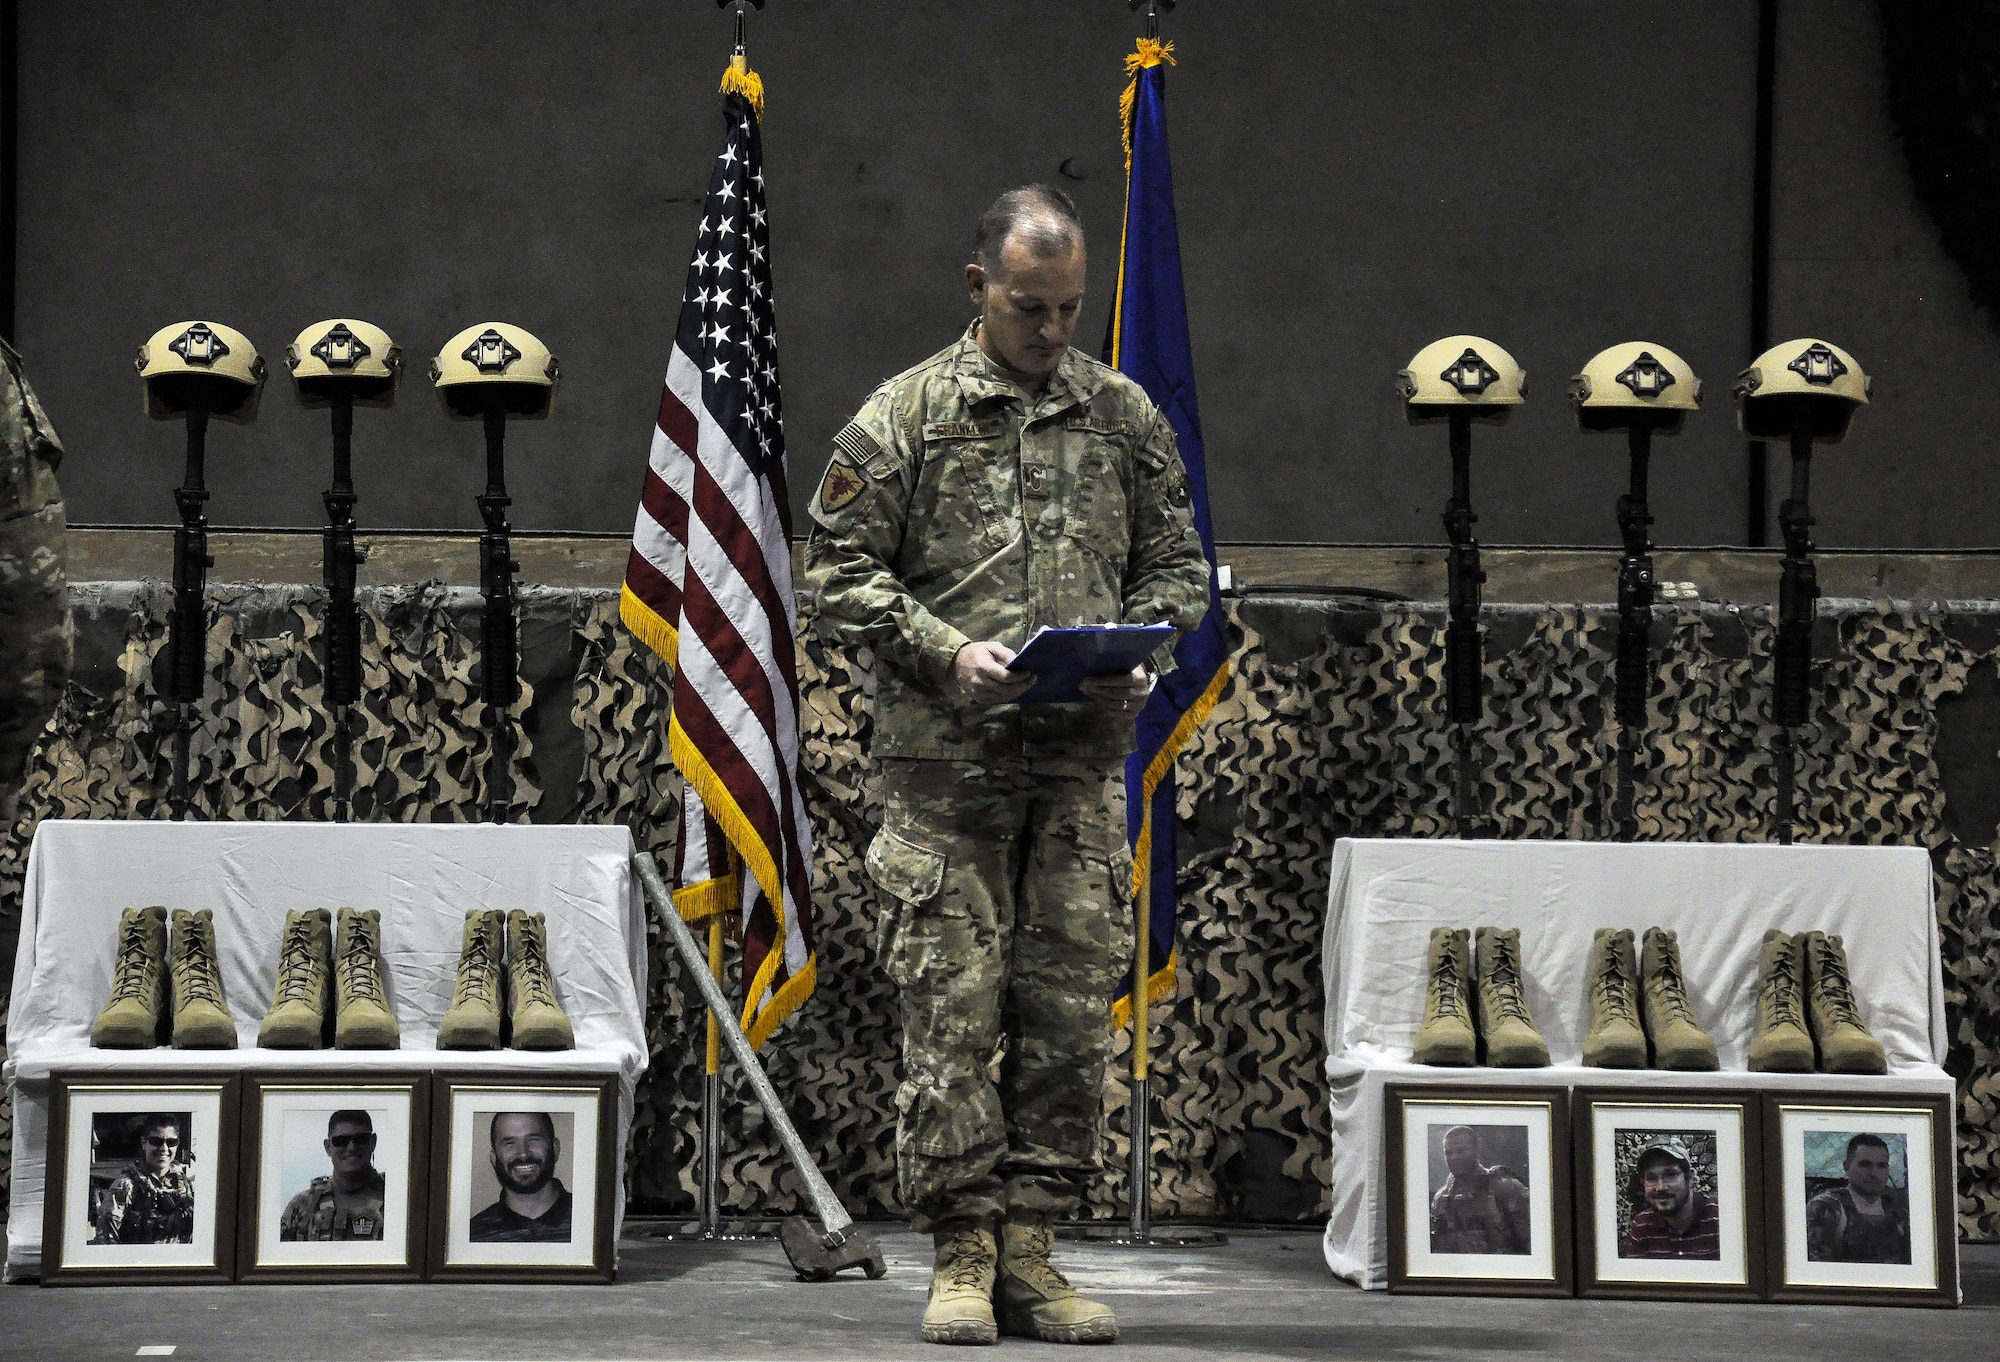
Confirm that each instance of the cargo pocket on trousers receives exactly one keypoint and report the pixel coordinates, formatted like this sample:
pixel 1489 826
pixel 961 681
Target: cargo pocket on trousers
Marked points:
pixel 943 1124
pixel 910 875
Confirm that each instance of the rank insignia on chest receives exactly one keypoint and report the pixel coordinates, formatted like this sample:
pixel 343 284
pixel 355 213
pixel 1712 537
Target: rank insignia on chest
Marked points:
pixel 1034 479
pixel 841 485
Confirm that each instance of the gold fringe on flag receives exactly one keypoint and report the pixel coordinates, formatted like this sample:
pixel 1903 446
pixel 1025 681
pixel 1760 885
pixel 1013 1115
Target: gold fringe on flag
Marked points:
pixel 649 626
pixel 1161 983
pixel 739 79
pixel 1151 53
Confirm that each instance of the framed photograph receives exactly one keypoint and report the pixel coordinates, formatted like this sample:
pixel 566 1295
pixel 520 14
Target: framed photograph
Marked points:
pixel 141 1179
pixel 523 1176
pixel 1863 1198
pixel 1479 1190
pixel 336 1177
pixel 1670 1194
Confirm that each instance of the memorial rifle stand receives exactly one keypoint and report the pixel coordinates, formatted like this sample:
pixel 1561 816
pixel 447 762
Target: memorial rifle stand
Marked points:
pixel 1632 677
pixel 187 626
pixel 1798 600
pixel 1464 675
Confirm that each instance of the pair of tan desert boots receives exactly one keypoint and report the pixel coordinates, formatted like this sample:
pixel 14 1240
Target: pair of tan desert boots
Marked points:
pixel 984 1285
pixel 1468 977
pixel 1640 1016
pixel 1806 1009
pixel 505 993
pixel 332 983
pixel 162 995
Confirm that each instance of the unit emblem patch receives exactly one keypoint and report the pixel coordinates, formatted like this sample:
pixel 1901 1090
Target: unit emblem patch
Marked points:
pixel 841 485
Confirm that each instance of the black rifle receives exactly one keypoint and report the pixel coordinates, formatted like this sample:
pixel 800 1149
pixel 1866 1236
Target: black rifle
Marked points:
pixel 1632 678
pixel 499 678
pixel 1798 599
pixel 343 620
pixel 1465 681
pixel 187 626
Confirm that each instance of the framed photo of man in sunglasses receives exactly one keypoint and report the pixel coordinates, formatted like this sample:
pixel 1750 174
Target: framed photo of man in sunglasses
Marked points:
pixel 141 1179
pixel 335 1176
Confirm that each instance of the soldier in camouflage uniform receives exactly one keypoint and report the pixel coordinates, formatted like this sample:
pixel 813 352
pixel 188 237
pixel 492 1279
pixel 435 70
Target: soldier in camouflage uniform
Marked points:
pixel 151 1201
pixel 1480 1208
pixel 34 591
pixel 1004 484
pixel 346 1204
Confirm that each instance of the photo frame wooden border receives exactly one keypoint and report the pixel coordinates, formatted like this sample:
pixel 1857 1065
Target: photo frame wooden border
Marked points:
pixel 1585 1104
pixel 417 1163
pixel 1942 1223
pixel 222 1176
pixel 608 1175
pixel 1397 1098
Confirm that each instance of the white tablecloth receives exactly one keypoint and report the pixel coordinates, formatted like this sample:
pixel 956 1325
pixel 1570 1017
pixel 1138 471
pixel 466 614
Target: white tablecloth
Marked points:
pixel 1388 894
pixel 423 877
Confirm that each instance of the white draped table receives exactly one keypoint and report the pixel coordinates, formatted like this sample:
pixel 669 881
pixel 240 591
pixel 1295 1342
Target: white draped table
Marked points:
pixel 1388 894
pixel 423 878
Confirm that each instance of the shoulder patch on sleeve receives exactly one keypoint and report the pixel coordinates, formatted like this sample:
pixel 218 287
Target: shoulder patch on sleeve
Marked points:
pixel 842 484
pixel 855 441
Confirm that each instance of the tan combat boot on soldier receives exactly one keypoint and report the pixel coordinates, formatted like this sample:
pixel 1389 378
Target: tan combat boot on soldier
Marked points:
pixel 536 1019
pixel 960 1309
pixel 1679 1041
pixel 1033 1300
pixel 1614 1040
pixel 132 1014
pixel 1445 1035
pixel 301 1002
pixel 1512 1042
pixel 472 1022
pixel 201 1015
pixel 1781 1044
pixel 363 1020
pixel 1845 1045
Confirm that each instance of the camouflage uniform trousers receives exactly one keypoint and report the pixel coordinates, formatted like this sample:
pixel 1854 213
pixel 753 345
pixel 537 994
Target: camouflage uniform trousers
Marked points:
pixel 1005 929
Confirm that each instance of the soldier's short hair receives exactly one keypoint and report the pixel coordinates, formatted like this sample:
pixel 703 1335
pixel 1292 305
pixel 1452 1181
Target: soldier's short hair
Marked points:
pixel 1861 1139
pixel 1467 1131
pixel 350 1118
pixel 493 1129
pixel 1042 216
pixel 154 1120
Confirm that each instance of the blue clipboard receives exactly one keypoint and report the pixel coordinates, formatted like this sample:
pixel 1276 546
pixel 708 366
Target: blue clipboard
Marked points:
pixel 1061 658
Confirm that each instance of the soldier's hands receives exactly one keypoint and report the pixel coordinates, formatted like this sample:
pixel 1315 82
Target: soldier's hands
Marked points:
pixel 981 669
pixel 1123 694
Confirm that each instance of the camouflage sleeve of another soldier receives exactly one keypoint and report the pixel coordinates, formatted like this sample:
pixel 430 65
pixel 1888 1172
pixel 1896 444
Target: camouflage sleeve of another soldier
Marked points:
pixel 1166 574
pixel 859 515
pixel 35 642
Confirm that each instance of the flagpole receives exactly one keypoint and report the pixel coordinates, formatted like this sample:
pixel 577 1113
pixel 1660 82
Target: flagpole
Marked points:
pixel 709 1226
pixel 1139 1229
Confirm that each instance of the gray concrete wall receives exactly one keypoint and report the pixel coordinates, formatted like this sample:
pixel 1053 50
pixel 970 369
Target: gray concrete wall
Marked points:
pixel 1354 180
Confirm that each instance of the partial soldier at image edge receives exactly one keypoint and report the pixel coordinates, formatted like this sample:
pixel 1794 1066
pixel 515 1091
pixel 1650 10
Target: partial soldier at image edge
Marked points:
pixel 36 645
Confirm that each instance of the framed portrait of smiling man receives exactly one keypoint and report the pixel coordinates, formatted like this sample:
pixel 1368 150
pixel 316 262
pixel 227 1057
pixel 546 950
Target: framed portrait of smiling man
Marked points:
pixel 1669 1194
pixel 1863 1206
pixel 523 1175
pixel 335 1177
pixel 141 1179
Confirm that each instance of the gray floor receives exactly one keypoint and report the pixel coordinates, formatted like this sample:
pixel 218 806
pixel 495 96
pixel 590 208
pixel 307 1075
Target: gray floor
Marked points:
pixel 1265 1294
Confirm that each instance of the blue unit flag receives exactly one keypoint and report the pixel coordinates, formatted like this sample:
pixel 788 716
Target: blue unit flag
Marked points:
pixel 1148 342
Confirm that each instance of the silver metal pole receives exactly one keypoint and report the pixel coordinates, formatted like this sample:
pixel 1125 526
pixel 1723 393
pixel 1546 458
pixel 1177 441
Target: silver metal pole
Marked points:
pixel 711 1156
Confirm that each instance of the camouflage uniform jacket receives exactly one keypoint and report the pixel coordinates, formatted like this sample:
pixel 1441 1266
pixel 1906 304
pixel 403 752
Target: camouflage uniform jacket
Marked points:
pixel 954 512
pixel 316 1216
pixel 1485 1213
pixel 144 1207
pixel 35 646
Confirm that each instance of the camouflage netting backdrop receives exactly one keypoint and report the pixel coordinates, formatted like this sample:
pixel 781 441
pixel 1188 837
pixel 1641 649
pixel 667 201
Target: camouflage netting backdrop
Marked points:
pixel 1330 728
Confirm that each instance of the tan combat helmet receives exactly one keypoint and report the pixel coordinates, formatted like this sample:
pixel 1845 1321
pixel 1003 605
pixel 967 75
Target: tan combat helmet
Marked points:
pixel 1461 374
pixel 217 360
pixel 495 359
pixel 343 352
pixel 1637 383
pixel 1805 383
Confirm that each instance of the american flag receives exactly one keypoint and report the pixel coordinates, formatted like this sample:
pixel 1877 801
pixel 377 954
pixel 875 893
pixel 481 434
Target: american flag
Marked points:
pixel 709 586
